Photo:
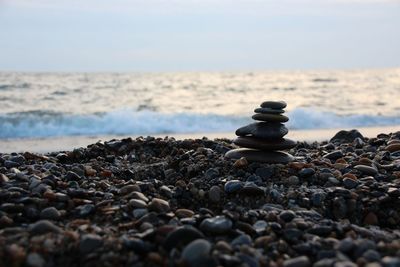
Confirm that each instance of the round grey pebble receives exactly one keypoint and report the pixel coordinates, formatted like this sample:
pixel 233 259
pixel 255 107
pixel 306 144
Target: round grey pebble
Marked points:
pixel 216 225
pixel 50 213
pixel 287 215
pixel 195 251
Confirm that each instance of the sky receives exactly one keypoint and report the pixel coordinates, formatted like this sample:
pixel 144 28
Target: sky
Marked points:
pixel 198 35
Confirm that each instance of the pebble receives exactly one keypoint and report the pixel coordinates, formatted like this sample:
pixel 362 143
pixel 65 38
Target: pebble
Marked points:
pixel 334 155
pixel 287 215
pixel 181 237
pixel 267 214
pixel 393 147
pixel 216 225
pixel 388 261
pixel 50 213
pixel 306 172
pixel 346 136
pixel 43 227
pixel 233 186
pixel 86 210
pixel 302 261
pixel 214 194
pixel 253 155
pixel 366 169
pixel 349 183
pixel 195 252
pixel 159 205
pixel 137 203
pixel 89 243
pixel 35 260
pixel 184 213
pixel 241 163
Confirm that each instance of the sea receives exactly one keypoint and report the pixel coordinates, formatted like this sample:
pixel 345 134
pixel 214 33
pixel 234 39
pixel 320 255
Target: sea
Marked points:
pixel 44 105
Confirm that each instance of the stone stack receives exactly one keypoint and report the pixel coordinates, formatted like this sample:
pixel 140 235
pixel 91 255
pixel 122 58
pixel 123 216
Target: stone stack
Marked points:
pixel 262 140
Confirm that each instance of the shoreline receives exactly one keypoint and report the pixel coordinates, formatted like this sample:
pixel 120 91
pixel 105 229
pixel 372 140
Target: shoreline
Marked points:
pixel 66 143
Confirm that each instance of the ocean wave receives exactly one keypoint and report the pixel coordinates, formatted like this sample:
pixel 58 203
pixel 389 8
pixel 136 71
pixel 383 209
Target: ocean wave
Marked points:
pixel 131 122
pixel 118 122
pixel 310 118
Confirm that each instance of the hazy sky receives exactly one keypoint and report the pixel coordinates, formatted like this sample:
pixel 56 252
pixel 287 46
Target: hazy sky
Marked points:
pixel 190 35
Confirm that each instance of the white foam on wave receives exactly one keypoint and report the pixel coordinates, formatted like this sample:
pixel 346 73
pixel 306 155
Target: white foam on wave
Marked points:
pixel 308 118
pixel 130 122
pixel 118 122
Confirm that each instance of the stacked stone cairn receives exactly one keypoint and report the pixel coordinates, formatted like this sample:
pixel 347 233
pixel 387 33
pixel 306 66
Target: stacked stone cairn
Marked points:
pixel 262 140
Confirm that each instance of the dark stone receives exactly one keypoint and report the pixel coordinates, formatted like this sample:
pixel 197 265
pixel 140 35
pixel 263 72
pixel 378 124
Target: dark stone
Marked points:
pixel 334 155
pixel 302 261
pixel 264 130
pixel 265 172
pixel 197 254
pixel 241 240
pixel 349 183
pixel 233 186
pixel 89 243
pixel 72 176
pixel 43 227
pixel 366 169
pixel 262 144
pixel 287 215
pixel 269 111
pixel 216 225
pixel 260 156
pixel 270 117
pixel 252 189
pixel 50 213
pixel 274 104
pixel 346 136
pixel 136 244
pixel 306 172
pixel 181 237
pixel 86 210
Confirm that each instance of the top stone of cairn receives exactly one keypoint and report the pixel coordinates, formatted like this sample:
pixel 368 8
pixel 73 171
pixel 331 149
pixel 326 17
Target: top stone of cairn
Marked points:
pixel 274 104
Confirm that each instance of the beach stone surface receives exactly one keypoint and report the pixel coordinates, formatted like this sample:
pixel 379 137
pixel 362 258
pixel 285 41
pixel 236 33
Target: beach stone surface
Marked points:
pixel 270 117
pixel 346 136
pixel 252 142
pixel 269 111
pixel 90 206
pixel 263 130
pixel 253 155
pixel 274 104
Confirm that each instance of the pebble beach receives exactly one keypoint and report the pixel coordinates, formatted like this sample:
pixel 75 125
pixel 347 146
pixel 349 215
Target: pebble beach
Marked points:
pixel 164 202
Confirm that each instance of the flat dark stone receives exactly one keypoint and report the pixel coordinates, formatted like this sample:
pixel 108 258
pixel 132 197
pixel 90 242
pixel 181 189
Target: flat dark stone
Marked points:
pixel 269 111
pixel 274 104
pixel 270 117
pixel 252 142
pixel 253 155
pixel 264 130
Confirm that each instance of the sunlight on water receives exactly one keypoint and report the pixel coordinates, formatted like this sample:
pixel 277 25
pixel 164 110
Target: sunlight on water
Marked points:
pixel 56 104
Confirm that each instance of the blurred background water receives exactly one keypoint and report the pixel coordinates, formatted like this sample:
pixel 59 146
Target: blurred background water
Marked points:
pixel 70 104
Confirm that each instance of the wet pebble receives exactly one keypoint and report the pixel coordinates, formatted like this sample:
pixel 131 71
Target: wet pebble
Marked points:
pixel 216 225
